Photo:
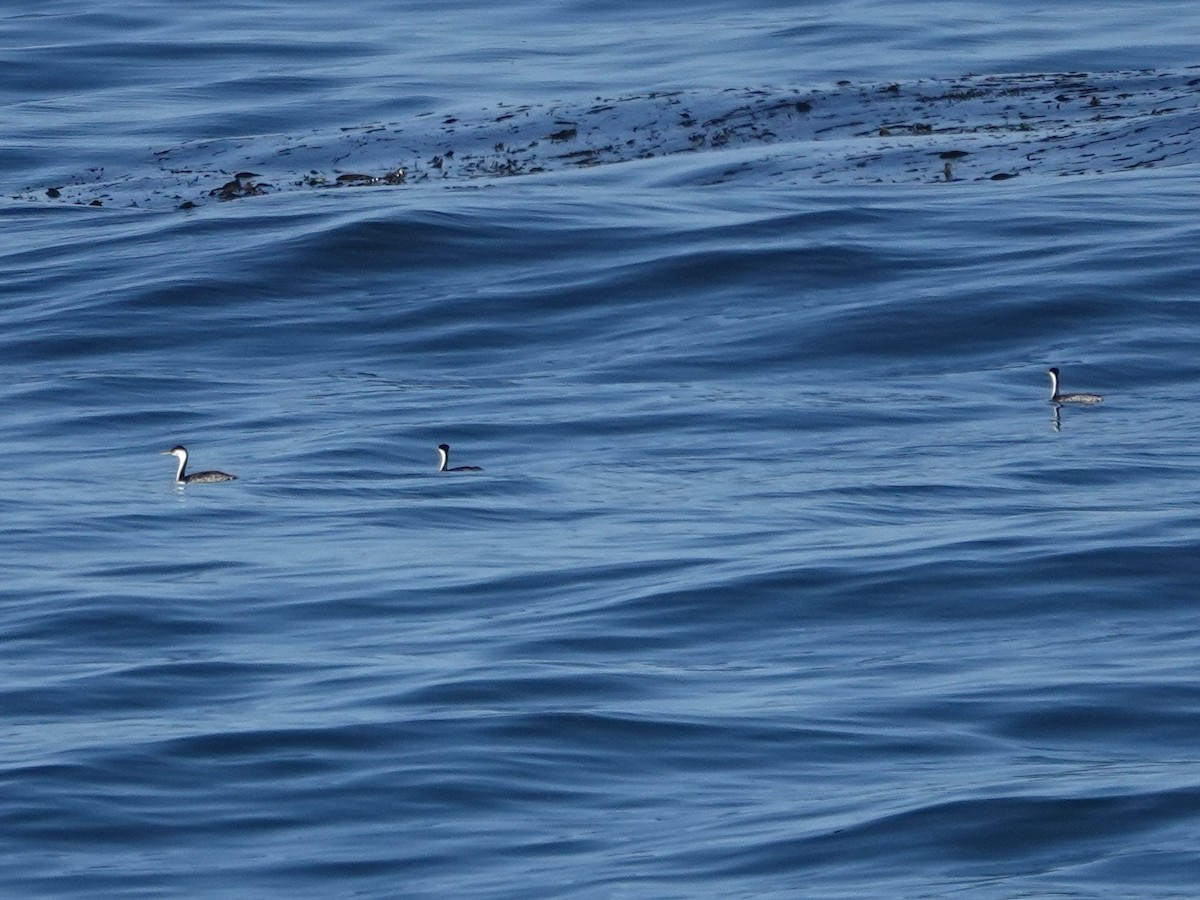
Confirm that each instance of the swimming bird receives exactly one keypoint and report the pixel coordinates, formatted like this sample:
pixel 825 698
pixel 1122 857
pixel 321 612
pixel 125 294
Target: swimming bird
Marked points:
pixel 1056 397
pixel 444 453
pixel 181 454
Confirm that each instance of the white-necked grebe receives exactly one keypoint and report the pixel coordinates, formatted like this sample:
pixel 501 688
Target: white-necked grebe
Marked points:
pixel 444 453
pixel 181 454
pixel 1056 397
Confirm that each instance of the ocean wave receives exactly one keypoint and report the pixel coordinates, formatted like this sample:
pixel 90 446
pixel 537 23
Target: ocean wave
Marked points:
pixel 955 130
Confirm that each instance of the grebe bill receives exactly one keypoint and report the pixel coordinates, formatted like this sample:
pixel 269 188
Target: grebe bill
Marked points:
pixel 181 454
pixel 1056 397
pixel 444 453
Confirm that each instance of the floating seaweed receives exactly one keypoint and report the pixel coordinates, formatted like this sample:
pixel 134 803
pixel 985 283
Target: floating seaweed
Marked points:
pixel 992 127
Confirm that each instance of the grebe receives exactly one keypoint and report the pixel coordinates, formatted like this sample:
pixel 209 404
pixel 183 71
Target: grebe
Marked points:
pixel 180 453
pixel 444 453
pixel 1056 397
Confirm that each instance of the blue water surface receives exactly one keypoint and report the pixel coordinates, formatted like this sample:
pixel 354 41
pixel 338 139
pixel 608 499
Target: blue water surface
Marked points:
pixel 782 576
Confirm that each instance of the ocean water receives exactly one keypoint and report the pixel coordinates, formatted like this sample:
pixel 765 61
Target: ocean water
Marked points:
pixel 782 576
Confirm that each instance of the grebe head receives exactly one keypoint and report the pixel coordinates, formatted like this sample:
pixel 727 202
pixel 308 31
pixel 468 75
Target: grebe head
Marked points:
pixel 180 453
pixel 1053 373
